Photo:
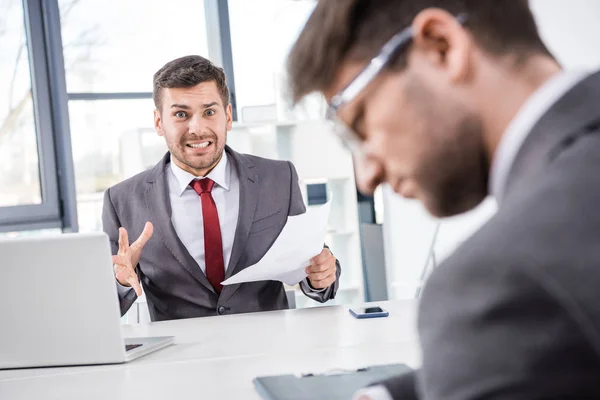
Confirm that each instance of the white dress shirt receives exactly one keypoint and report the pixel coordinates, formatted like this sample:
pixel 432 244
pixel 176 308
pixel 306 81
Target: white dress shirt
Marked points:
pixel 529 114
pixel 515 134
pixel 186 208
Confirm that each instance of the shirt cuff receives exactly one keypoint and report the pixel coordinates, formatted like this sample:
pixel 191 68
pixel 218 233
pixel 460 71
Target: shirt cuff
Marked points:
pixel 377 392
pixel 122 286
pixel 123 290
pixel 306 285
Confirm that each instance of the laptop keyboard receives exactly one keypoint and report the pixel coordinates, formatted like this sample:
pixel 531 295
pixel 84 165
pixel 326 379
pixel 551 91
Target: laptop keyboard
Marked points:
pixel 129 347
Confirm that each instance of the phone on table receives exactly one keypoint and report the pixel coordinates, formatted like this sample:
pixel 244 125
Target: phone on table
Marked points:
pixel 369 312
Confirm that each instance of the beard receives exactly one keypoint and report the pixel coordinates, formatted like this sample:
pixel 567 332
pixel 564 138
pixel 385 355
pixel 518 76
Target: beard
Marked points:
pixel 453 172
pixel 455 180
pixel 204 162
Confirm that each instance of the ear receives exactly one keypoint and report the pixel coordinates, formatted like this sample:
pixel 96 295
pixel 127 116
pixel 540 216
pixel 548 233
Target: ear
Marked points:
pixel 158 123
pixel 229 116
pixel 442 40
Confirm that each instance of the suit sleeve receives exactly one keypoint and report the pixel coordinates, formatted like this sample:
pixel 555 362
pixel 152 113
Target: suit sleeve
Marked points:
pixel 402 387
pixel 297 207
pixel 497 333
pixel 110 225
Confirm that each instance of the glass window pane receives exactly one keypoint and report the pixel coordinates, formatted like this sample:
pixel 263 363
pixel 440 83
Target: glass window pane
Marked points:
pixel 19 167
pixel 112 140
pixel 119 45
pixel 260 45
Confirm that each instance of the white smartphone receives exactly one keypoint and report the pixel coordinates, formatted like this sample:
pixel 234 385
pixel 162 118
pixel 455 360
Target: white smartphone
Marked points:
pixel 368 312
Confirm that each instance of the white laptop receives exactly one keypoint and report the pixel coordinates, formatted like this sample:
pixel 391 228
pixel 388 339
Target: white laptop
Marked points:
pixel 59 304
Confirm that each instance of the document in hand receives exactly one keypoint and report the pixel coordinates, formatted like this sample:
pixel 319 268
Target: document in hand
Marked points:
pixel 301 239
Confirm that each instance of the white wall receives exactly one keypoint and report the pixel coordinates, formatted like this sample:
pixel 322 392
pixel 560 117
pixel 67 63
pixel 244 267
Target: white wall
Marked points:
pixel 571 29
pixel 409 237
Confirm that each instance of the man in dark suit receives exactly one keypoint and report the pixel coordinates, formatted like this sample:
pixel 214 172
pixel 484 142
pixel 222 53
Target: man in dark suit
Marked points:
pixel 204 212
pixel 449 101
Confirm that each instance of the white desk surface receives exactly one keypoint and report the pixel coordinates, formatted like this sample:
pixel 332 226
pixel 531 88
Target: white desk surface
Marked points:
pixel 217 357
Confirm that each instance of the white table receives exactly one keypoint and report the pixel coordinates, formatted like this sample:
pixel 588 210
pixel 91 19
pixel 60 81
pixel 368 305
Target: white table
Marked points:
pixel 217 357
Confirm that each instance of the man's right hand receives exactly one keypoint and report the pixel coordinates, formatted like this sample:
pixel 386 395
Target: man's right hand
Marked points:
pixel 127 258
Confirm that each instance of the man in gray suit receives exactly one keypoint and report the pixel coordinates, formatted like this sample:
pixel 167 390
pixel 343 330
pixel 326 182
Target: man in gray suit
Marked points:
pixel 204 212
pixel 449 101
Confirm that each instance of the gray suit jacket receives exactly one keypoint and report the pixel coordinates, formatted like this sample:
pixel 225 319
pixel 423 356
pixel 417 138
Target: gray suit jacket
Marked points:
pixel 174 284
pixel 514 313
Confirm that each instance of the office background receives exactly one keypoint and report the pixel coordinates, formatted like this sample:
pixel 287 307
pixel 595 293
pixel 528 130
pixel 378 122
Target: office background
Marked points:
pixel 76 118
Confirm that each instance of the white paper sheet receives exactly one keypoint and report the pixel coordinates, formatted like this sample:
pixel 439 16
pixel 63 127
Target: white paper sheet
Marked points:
pixel 301 239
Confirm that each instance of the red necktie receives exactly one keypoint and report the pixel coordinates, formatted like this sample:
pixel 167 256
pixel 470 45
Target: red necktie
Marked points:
pixel 213 244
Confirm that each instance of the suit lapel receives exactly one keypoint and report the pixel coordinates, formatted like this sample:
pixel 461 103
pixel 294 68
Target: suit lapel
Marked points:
pixel 249 195
pixel 248 200
pixel 159 207
pixel 570 115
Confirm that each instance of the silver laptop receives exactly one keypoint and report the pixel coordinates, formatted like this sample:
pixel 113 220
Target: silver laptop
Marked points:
pixel 59 305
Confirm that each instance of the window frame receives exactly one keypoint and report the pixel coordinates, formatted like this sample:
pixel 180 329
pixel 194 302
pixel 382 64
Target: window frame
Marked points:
pixel 53 212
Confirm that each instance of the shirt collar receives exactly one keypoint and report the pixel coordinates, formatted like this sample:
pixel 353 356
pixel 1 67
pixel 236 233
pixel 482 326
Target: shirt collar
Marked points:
pixel 519 128
pixel 220 174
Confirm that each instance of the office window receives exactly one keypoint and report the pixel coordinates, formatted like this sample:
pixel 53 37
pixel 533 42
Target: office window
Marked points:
pixel 19 166
pixel 118 46
pixel 111 54
pixel 29 182
pixel 260 45
pixel 112 140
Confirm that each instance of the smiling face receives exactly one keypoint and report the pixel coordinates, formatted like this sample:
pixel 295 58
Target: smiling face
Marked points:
pixel 194 123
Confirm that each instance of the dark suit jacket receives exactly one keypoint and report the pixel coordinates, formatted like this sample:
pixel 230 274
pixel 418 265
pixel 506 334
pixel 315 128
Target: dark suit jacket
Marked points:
pixel 514 313
pixel 174 284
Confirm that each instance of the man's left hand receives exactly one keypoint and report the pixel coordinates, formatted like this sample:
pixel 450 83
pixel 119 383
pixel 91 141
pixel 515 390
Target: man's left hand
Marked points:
pixel 322 270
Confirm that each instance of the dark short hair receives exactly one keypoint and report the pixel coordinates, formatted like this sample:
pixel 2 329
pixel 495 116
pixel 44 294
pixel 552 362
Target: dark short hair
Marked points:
pixel 186 72
pixel 357 29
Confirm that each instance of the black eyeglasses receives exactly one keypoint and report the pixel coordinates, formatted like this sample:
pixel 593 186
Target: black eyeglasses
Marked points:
pixel 398 42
